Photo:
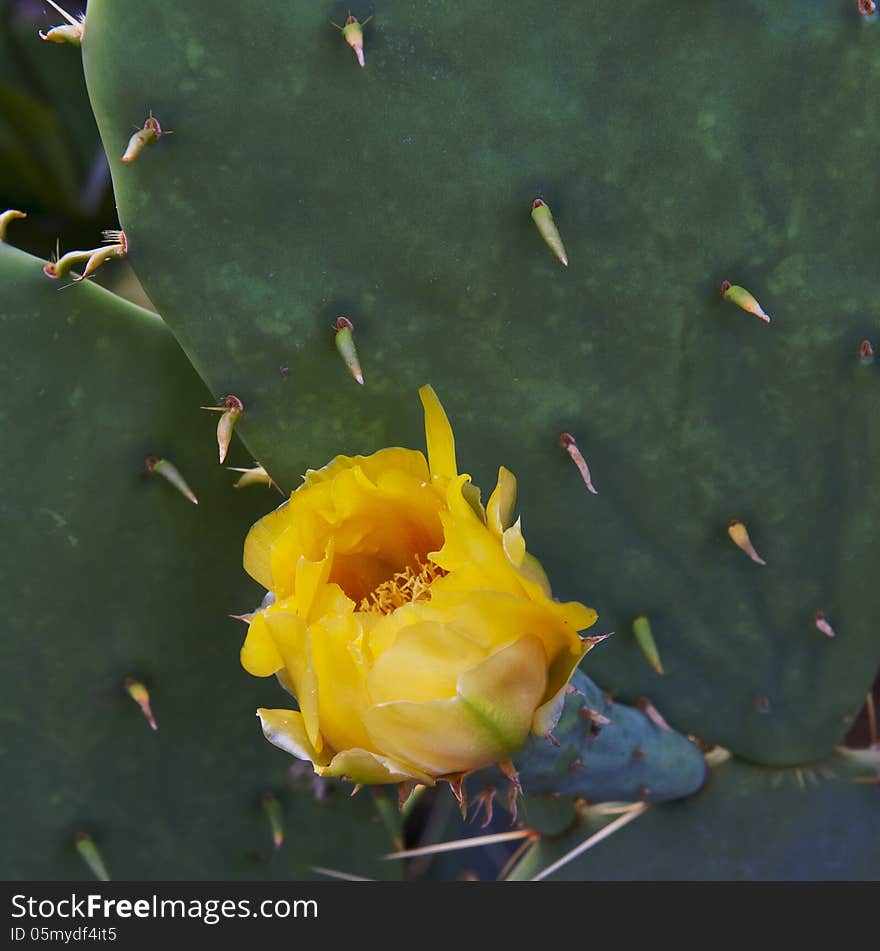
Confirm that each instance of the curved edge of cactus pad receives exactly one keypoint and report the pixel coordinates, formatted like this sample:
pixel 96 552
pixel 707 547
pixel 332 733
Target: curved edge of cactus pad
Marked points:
pixel 115 589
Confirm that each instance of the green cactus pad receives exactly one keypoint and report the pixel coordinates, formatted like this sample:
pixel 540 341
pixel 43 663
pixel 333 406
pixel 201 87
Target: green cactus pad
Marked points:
pixel 631 758
pixel 677 148
pixel 108 573
pixel 747 823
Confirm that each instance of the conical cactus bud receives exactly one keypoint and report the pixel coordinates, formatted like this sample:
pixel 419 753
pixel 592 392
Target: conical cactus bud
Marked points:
pixel 347 350
pixel 353 34
pixel 116 247
pixel 5 218
pixel 543 218
pixel 653 714
pixel 169 471
pixel 866 353
pixel 645 639
pixel 91 856
pixel 566 440
pixel 141 696
pixel 256 475
pixel 60 265
pixel 272 808
pixel 71 32
pixel 231 409
pixel 143 138
pixel 742 298
pixel 586 713
pixel 740 537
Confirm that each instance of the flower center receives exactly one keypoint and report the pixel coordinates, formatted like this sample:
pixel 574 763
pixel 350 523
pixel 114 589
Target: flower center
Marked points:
pixel 404 587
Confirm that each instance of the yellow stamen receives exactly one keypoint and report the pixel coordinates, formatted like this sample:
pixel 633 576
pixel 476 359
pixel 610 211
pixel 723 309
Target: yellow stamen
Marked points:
pixel 411 584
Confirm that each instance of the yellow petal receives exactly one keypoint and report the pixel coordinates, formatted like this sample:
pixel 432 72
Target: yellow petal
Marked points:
pixel 534 577
pixel 306 536
pixel 259 541
pixel 311 576
pixel 285 729
pixel 361 766
pixel 469 547
pixel 514 544
pixel 293 642
pixel 488 721
pixel 259 655
pixel 530 570
pixel 493 619
pixel 405 460
pixel 558 676
pixel 341 672
pixel 330 600
pixel 440 737
pixel 504 690
pixel 378 528
pixel 548 713
pixel 423 664
pixel 499 509
pixel 471 494
pixel 438 435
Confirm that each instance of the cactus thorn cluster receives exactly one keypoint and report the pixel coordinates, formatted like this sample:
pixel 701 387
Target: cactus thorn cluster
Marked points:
pixel 70 32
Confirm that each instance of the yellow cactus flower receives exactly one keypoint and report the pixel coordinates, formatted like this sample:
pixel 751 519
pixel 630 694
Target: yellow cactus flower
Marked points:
pixel 418 635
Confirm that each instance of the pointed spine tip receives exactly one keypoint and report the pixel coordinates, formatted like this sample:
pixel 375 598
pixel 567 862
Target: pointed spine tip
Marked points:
pixel 739 535
pixel 272 809
pixel 823 624
pixel 168 471
pixel 345 346
pixel 645 639
pixel 567 442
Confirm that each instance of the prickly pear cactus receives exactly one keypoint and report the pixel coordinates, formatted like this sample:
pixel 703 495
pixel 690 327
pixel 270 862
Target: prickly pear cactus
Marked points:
pixel 632 252
pixel 298 186
pixel 113 574
pixel 830 809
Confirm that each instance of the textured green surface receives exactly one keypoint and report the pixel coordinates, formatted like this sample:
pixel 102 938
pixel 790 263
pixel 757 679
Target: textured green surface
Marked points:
pixel 747 823
pixel 677 147
pixel 107 572
pixel 629 759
